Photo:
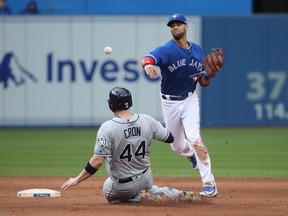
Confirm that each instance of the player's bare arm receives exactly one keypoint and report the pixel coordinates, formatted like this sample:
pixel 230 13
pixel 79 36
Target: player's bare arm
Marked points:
pixel 91 167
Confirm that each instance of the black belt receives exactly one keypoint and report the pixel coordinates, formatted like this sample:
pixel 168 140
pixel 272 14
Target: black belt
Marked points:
pixel 176 98
pixel 129 179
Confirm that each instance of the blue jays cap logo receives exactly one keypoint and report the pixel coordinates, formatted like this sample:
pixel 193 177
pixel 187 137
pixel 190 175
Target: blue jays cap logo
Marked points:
pixel 177 17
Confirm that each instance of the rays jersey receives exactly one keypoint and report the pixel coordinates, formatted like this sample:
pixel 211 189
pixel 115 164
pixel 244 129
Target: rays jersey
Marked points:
pixel 177 66
pixel 126 144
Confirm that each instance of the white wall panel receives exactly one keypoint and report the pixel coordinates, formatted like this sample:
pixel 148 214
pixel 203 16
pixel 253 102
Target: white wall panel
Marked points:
pixel 14 94
pixel 49 101
pixel 81 43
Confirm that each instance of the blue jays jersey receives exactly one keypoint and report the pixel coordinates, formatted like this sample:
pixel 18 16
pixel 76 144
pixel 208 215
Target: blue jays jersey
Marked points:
pixel 180 68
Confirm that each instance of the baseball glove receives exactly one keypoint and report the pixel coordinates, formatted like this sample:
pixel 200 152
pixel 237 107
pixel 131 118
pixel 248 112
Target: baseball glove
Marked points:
pixel 213 62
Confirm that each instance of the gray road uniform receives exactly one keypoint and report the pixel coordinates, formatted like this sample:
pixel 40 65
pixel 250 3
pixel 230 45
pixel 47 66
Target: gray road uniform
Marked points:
pixel 126 144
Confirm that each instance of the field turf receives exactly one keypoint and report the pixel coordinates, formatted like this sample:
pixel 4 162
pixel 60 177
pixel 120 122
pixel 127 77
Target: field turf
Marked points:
pixel 235 152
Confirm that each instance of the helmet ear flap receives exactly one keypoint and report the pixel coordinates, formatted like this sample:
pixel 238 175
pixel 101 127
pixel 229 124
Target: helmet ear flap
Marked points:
pixel 111 105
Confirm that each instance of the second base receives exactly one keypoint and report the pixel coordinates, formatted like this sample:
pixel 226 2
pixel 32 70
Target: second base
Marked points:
pixel 38 192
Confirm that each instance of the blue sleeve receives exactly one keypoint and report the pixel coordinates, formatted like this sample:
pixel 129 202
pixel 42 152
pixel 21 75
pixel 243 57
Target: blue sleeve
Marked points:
pixel 159 56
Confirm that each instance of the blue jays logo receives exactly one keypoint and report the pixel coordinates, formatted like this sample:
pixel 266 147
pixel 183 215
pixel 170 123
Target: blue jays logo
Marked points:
pixel 175 16
pixel 101 142
pixel 11 69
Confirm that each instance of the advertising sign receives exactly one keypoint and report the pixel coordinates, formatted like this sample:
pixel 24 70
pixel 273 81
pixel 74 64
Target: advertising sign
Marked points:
pixel 54 71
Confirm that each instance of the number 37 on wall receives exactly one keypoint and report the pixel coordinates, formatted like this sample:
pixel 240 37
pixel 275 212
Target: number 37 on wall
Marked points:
pixel 268 87
pixel 258 85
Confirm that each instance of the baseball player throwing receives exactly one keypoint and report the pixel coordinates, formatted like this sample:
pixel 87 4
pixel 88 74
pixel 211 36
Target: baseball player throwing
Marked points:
pixel 125 143
pixel 183 65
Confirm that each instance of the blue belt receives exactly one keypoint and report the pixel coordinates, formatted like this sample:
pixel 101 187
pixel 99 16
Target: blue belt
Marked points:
pixel 176 98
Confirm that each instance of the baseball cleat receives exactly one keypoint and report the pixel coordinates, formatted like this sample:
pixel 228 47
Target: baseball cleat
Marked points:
pixel 193 161
pixel 209 192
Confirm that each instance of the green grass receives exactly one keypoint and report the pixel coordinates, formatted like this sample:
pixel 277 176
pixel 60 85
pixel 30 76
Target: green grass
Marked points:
pixel 237 152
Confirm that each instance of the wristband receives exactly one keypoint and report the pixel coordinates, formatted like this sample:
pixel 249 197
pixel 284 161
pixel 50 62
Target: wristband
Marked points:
pixel 147 60
pixel 206 77
pixel 90 169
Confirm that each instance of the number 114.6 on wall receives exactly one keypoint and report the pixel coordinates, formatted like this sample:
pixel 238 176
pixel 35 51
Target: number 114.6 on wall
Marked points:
pixel 270 111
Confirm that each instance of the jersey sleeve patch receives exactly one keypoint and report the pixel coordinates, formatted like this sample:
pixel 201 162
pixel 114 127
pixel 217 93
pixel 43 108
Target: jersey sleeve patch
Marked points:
pixel 101 142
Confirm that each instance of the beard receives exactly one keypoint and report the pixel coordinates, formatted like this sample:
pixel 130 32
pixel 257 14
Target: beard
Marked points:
pixel 178 36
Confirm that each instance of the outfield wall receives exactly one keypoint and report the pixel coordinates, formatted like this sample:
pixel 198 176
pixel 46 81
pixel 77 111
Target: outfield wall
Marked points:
pixel 252 88
pixel 53 71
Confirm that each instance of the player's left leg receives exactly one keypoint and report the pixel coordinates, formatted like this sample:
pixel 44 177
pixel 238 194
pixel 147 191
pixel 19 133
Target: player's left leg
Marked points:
pixel 191 122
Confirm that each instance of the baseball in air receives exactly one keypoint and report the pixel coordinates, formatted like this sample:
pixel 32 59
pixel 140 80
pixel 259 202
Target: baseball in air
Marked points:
pixel 107 50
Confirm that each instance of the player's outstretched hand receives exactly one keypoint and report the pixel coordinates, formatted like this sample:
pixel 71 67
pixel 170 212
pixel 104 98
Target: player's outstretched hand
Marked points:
pixel 151 71
pixel 69 183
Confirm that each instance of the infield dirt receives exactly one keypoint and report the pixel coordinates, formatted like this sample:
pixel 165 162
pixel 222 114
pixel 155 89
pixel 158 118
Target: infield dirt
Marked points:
pixel 237 196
